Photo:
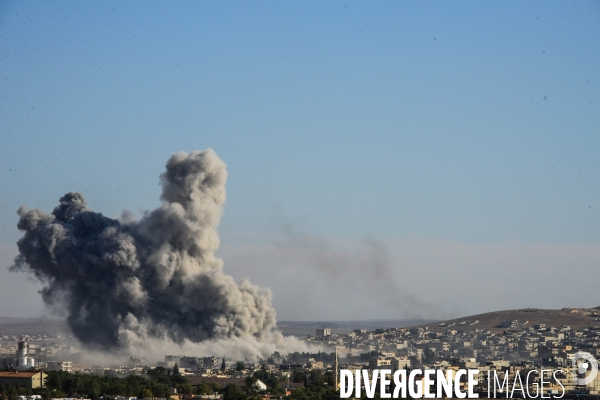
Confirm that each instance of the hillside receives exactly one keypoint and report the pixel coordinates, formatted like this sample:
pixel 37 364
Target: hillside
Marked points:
pixel 32 326
pixel 573 317
pixel 308 328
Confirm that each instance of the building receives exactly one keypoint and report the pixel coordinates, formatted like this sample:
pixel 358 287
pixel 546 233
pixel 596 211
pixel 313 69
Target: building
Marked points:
pixel 166 364
pixel 210 362
pixel 380 362
pixel 400 363
pixel 60 366
pixel 24 361
pixel 260 385
pixel 29 379
pixel 324 332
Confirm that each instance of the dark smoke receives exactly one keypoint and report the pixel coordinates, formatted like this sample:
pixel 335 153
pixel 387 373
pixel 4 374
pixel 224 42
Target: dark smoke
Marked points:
pixel 121 282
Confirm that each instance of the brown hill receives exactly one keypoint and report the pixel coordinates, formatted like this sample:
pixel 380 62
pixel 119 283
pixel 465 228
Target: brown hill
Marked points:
pixel 573 317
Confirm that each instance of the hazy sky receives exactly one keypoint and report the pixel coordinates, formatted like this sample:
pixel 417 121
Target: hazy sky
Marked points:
pixel 386 159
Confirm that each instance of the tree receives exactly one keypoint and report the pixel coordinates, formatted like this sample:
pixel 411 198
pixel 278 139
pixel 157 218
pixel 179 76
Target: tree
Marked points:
pixel 146 393
pixel 12 392
pixel 250 385
pixel 233 392
pixel 46 393
pixel 240 366
pixel 271 380
pixel 185 388
pixel 92 388
pixel 223 365
pixel 298 376
pixel 204 388
pixel 300 394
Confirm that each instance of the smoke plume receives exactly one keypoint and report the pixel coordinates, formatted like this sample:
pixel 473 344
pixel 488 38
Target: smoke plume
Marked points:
pixel 122 282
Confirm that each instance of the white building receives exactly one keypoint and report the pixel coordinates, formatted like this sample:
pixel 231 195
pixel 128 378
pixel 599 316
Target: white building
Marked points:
pixel 60 366
pixel 24 360
pixel 324 332
pixel 260 385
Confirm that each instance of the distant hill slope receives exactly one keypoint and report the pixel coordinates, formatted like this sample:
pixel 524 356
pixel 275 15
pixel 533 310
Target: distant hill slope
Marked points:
pixel 573 317
pixel 32 326
pixel 12 320
pixel 305 328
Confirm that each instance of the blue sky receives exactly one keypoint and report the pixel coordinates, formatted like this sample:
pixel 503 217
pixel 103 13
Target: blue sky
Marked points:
pixel 474 123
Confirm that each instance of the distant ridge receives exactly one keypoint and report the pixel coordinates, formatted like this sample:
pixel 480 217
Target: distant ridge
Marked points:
pixel 17 320
pixel 32 326
pixel 304 328
pixel 573 317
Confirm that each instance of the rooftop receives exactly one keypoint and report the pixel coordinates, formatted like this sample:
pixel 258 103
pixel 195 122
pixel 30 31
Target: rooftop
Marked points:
pixel 18 374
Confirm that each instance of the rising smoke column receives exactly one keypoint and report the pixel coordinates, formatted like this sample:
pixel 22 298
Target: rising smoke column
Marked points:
pixel 121 282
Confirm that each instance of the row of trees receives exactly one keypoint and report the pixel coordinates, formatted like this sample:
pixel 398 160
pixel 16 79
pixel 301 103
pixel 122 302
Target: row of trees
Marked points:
pixel 299 358
pixel 157 382
pixel 317 385
pixel 11 392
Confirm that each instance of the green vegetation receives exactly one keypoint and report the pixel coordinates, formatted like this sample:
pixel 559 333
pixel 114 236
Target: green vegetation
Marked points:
pixel 65 384
pixel 240 366
pixel 317 385
pixel 158 382
pixel 11 392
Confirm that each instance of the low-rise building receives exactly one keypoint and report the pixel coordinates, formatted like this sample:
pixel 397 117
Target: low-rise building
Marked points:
pixel 60 366
pixel 28 379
